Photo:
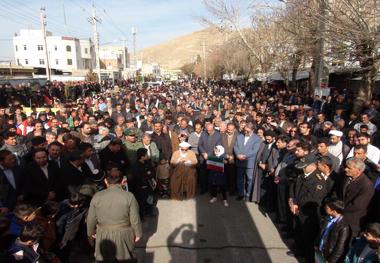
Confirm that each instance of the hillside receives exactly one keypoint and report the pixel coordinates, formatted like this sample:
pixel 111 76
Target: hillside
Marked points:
pixel 178 51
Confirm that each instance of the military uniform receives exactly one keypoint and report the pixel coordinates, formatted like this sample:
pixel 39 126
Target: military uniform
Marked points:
pixel 309 192
pixel 114 216
pixel 132 147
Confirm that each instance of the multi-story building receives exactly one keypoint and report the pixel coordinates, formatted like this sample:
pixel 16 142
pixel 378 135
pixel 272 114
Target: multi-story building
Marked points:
pixel 113 61
pixel 66 54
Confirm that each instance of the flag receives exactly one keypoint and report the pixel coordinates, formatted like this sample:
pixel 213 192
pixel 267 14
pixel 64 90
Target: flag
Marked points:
pixel 215 164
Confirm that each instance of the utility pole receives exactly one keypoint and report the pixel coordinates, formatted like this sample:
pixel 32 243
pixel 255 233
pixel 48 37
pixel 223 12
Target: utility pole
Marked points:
pixel 124 53
pixel 134 33
pixel 204 60
pixel 10 68
pixel 43 28
pixel 94 20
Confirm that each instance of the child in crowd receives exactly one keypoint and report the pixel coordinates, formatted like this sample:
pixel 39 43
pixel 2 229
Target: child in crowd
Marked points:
pixel 217 178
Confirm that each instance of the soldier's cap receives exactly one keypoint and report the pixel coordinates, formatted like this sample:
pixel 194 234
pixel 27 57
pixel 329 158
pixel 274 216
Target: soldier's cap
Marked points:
pixel 305 161
pixel 129 120
pixel 129 132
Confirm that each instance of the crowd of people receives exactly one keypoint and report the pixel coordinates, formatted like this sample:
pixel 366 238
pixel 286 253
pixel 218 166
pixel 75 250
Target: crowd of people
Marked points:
pixel 85 166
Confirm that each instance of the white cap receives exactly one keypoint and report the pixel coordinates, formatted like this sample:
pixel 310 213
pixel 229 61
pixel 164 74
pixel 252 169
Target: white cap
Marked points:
pixel 184 145
pixel 336 133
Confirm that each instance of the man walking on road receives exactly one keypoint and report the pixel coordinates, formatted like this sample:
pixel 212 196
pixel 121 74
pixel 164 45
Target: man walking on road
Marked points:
pixel 114 217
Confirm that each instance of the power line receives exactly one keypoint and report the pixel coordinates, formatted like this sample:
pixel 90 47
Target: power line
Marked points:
pixel 111 21
pixel 52 23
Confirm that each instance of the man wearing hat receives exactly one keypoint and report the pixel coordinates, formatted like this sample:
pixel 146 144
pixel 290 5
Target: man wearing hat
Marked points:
pixel 337 147
pixel 305 202
pixel 132 144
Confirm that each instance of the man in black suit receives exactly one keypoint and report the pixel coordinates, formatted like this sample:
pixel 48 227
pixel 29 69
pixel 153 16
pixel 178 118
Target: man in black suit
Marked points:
pixel 10 180
pixel 41 179
pixel 72 175
pixel 357 194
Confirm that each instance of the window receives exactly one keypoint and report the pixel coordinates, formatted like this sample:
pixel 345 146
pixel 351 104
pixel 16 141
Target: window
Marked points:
pixel 26 62
pixel 40 47
pixel 42 61
pixel 56 62
pixel 68 48
pixel 86 51
pixel 16 48
pixel 18 62
pixel 24 47
pixel 55 48
pixel 69 62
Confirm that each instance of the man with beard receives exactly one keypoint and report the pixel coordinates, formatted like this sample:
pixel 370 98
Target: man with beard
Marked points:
pixel 41 179
pixel 228 142
pixel 131 145
pixel 371 169
pixel 246 147
pixel 267 160
pixel 323 150
pixel 85 134
pixel 373 153
pixel 164 146
pixel 287 156
pixel 337 147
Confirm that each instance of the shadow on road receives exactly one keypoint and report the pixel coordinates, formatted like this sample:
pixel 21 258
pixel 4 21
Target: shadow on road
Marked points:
pixel 149 229
pixel 221 235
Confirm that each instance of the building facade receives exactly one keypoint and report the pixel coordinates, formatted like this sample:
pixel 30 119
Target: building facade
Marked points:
pixel 66 54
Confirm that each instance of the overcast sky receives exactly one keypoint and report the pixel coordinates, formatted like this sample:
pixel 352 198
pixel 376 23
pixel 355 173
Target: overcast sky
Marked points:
pixel 155 20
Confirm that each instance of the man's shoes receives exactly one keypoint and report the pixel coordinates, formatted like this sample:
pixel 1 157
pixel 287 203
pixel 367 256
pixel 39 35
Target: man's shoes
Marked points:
pixel 225 203
pixel 239 198
pixel 294 253
pixel 213 200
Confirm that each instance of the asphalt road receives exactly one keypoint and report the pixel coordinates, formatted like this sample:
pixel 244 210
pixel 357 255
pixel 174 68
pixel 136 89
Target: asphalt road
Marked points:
pixel 200 232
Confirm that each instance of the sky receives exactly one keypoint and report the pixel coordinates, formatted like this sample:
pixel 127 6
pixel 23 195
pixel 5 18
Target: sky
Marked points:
pixel 156 20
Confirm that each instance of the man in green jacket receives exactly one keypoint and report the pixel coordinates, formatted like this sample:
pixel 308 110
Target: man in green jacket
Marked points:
pixel 132 145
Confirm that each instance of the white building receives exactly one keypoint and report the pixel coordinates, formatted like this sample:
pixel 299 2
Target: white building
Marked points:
pixel 66 54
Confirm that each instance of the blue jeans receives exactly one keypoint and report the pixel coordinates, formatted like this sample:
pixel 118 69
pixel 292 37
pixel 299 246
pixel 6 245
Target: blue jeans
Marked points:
pixel 244 181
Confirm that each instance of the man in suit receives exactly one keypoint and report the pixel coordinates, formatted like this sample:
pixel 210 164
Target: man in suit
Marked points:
pixel 206 145
pixel 246 147
pixel 357 194
pixel 41 179
pixel 72 173
pixel 10 180
pixel 228 143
